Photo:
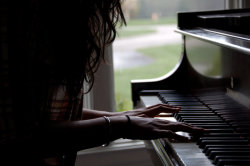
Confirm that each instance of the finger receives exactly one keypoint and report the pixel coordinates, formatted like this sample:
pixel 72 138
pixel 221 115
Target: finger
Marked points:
pixel 187 124
pixel 162 105
pixel 171 135
pixel 143 115
pixel 153 106
pixel 170 109
pixel 176 126
pixel 165 109
pixel 171 106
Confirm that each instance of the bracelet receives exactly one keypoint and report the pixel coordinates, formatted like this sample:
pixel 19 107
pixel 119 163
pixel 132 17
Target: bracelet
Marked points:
pixel 129 120
pixel 108 129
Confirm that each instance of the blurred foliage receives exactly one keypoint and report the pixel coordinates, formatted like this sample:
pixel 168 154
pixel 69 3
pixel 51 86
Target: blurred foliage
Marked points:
pixel 165 8
pixel 164 59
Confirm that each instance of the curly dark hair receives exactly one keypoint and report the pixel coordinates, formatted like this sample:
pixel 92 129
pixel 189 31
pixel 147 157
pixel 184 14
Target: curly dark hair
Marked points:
pixel 102 26
pixel 77 32
pixel 59 41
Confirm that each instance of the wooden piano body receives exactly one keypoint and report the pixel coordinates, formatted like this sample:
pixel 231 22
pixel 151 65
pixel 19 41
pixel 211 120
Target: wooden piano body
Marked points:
pixel 212 84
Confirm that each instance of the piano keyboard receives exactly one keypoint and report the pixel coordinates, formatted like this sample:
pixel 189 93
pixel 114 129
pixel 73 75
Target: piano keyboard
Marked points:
pixel 227 142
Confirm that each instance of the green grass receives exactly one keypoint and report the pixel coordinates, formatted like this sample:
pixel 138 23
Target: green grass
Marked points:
pixel 160 21
pixel 138 27
pixel 165 58
pixel 127 32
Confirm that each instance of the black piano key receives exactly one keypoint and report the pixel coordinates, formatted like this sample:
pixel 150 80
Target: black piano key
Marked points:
pixel 221 135
pixel 222 142
pixel 234 115
pixel 243 130
pixel 223 130
pixel 194 110
pixel 238 162
pixel 177 99
pixel 213 154
pixel 232 112
pixel 217 138
pixel 182 118
pixel 218 134
pixel 226 103
pixel 208 95
pixel 209 134
pixel 220 114
pixel 224 113
pixel 195 114
pixel 200 117
pixel 180 115
pixel 207 147
pixel 216 159
pixel 194 106
pixel 204 118
pixel 238 117
pixel 211 99
pixel 185 103
pixel 237 165
pixel 208 117
pixel 240 123
pixel 204 121
pixel 216 107
pixel 208 152
pixel 211 126
pixel 245 126
pixel 176 93
pixel 214 102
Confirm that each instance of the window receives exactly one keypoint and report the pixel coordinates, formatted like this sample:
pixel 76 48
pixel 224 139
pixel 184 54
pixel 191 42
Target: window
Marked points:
pixel 148 47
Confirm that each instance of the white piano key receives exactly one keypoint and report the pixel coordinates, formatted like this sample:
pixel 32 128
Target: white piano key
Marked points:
pixel 190 154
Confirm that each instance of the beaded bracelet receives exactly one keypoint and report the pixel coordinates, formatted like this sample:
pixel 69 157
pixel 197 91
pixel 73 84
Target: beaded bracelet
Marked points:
pixel 108 128
pixel 129 120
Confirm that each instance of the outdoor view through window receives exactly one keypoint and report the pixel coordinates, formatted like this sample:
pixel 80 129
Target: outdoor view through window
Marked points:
pixel 148 47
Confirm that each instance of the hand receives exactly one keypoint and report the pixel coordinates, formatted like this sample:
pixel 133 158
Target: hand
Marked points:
pixel 153 111
pixel 151 128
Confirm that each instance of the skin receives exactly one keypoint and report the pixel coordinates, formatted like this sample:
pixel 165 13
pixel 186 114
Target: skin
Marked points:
pixel 92 130
pixel 70 136
pixel 151 111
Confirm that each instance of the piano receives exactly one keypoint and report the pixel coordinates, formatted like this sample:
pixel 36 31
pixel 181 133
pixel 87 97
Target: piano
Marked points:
pixel 211 83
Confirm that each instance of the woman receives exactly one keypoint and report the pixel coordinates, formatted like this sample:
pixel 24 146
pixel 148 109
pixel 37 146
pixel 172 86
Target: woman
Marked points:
pixel 53 47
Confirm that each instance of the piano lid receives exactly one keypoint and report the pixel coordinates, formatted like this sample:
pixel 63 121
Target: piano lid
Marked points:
pixel 230 22
pixel 229 28
pixel 221 19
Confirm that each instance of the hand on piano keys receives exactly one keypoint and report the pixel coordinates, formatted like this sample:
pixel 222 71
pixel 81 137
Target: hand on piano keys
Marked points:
pixel 191 136
pixel 154 128
pixel 154 111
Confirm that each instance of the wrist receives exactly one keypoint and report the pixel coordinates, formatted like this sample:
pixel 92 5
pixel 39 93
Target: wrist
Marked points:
pixel 119 127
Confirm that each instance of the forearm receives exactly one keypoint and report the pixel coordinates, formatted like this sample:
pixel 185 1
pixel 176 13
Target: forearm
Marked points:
pixel 92 114
pixel 83 134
